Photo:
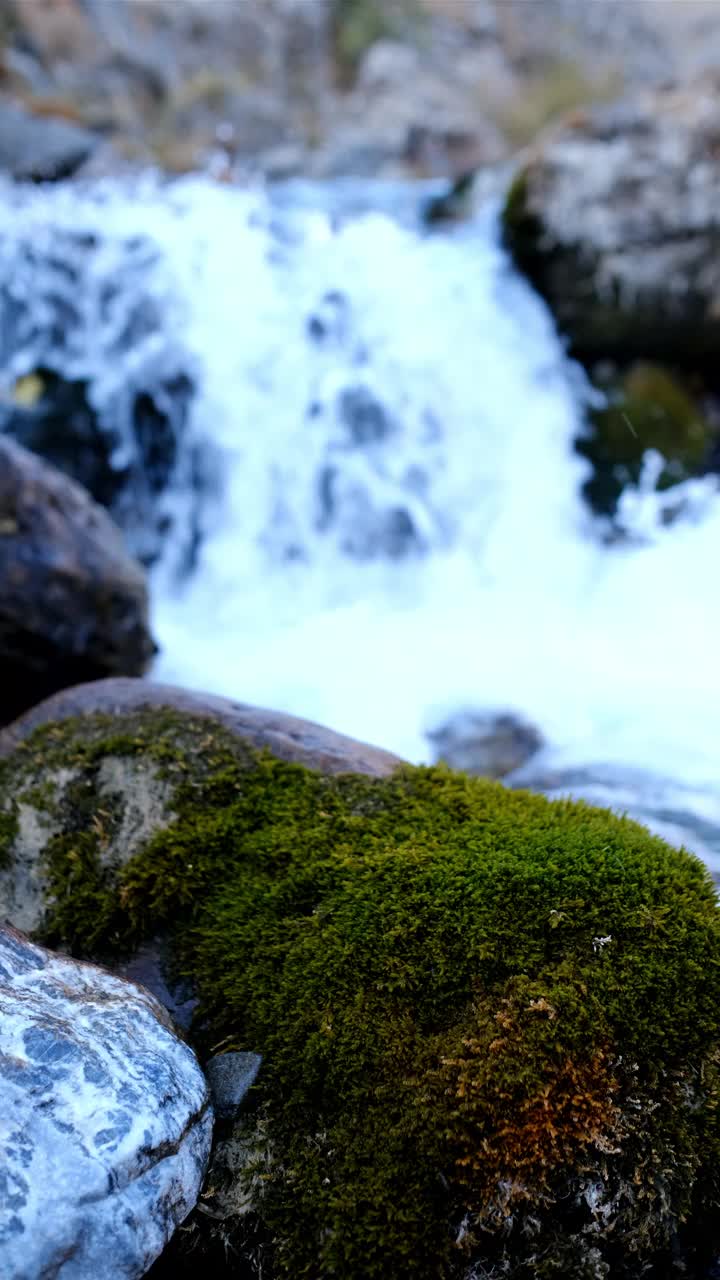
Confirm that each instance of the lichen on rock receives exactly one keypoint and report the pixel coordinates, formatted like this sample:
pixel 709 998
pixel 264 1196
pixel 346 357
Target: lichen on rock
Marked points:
pixel 488 1021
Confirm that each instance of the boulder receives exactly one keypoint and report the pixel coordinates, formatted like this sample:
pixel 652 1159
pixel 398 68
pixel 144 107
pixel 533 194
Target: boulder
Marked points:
pixel 608 226
pixel 504 1007
pixel 133 788
pixel 73 605
pixel 105 1120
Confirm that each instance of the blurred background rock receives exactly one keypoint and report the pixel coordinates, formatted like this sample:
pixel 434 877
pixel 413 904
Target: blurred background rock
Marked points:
pixel 321 87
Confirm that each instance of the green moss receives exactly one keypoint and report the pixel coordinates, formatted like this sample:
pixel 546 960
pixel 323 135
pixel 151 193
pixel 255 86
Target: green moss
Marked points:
pixel 8 833
pixel 647 408
pixel 488 1021
pixel 358 24
pixel 521 227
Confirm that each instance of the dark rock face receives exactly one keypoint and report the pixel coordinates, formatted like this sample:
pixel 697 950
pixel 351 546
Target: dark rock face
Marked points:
pixel 645 407
pixel 606 225
pixel 105 1120
pixel 62 425
pixel 73 604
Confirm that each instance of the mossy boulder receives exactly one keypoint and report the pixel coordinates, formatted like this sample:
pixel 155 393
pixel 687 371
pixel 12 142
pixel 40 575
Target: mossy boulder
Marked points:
pixel 488 1022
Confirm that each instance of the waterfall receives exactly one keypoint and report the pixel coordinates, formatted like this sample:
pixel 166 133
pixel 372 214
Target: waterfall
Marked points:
pixel 366 507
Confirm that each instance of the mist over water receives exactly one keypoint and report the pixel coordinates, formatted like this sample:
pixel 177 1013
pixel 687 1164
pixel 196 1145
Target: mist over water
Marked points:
pixel 389 527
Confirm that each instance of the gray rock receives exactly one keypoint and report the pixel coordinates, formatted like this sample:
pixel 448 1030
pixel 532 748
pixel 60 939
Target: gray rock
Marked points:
pixel 230 1075
pixel 487 744
pixel 41 149
pixel 616 218
pixel 105 1120
pixel 73 605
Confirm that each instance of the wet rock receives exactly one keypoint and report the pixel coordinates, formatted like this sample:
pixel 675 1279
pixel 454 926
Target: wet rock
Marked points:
pixel 453 205
pixel 373 490
pixel 73 604
pixel 230 1075
pixel 605 223
pixel 52 416
pixel 367 516
pixel 329 321
pixel 150 964
pixel 105 1120
pixel 624 248
pixel 486 744
pixel 348 929
pixel 41 149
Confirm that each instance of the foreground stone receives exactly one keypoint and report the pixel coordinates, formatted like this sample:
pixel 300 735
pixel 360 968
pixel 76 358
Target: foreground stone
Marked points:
pixel 105 1122
pixel 502 1006
pixel 288 737
pixel 73 605
pixel 135 789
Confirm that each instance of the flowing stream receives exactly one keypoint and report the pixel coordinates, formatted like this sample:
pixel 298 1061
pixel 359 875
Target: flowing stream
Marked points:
pixel 371 514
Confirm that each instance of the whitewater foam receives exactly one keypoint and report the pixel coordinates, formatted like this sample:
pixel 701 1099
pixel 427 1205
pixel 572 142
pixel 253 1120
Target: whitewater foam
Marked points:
pixel 499 594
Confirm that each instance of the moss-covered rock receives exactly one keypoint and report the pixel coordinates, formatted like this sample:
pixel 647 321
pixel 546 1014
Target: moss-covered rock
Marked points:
pixel 488 1021
pixel 645 408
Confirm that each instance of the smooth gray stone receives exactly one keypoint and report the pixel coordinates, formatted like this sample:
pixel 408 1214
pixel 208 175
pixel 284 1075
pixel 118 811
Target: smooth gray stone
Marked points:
pixel 105 1120
pixel 230 1075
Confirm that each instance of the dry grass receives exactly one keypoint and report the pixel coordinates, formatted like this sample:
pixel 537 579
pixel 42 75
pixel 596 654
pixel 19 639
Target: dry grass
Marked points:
pixel 549 95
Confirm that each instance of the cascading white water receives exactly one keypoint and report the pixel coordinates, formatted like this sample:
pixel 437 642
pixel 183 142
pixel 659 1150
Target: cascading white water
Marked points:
pixel 398 532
